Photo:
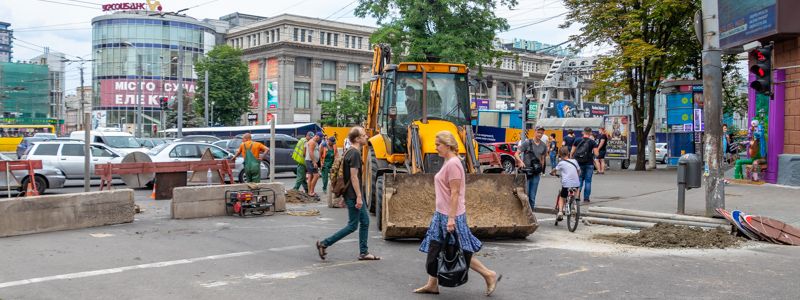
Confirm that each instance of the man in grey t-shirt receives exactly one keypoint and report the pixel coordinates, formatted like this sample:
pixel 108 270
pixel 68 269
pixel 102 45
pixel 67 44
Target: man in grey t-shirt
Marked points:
pixel 530 153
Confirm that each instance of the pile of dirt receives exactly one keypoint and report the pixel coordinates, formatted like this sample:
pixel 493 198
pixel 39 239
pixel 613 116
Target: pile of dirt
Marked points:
pixel 303 213
pixel 295 196
pixel 664 235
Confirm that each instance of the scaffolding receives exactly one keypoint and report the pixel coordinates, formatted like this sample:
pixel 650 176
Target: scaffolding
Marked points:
pixel 24 90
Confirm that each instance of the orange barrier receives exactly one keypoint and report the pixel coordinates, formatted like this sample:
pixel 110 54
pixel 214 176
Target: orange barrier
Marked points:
pixel 29 165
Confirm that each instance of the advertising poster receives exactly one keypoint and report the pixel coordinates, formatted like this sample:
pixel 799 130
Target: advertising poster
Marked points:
pixel 561 109
pixel 479 104
pixel 618 130
pixel 99 119
pixel 595 110
pixel 252 69
pixel 272 96
pixel 254 95
pixel 742 21
pixel 272 68
pixel 123 92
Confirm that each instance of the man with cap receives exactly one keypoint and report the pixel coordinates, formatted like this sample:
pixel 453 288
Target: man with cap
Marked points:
pixel 530 155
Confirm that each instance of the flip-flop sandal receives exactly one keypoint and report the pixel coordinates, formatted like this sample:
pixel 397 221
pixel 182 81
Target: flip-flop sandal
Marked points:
pixel 368 256
pixel 321 250
pixel 489 292
pixel 421 291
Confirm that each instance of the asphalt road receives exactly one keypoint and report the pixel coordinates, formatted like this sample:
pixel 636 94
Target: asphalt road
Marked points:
pixel 273 258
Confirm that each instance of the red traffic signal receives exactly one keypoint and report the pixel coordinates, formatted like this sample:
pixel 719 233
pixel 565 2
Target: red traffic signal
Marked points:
pixel 164 102
pixel 762 69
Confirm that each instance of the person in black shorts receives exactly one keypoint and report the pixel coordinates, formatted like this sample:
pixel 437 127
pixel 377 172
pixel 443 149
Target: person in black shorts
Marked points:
pixel 602 141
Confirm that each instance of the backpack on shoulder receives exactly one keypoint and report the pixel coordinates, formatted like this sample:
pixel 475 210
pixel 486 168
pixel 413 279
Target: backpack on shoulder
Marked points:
pixel 339 184
pixel 533 166
pixel 583 153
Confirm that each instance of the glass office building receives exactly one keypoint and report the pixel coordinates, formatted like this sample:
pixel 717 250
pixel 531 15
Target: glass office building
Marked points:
pixel 136 63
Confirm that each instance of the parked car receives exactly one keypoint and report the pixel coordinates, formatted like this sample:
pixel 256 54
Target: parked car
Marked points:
pixel 46 136
pixel 68 156
pixel 507 152
pixel 489 159
pixel 149 143
pixel 121 142
pixel 46 178
pixel 192 151
pixel 26 143
pixel 231 145
pixel 661 152
pixel 284 146
pixel 208 139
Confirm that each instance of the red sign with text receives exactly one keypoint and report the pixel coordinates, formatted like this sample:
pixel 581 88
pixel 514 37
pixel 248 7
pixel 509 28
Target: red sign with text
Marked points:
pixel 124 92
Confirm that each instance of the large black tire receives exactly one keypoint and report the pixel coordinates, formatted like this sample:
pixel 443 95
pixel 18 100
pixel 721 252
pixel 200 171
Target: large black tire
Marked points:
pixel 508 165
pixel 372 170
pixel 379 202
pixel 41 184
pixel 574 215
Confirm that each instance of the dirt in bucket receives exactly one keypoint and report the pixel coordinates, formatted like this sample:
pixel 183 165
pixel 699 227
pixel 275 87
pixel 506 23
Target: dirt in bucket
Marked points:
pixel 295 196
pixel 664 235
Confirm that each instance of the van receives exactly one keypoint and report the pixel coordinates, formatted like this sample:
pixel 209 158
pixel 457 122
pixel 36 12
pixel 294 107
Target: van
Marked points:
pixel 121 142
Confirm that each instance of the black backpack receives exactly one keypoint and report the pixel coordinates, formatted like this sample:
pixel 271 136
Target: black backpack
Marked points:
pixel 532 164
pixel 583 152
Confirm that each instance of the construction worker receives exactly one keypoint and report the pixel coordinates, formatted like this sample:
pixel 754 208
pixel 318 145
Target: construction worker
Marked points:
pixel 251 151
pixel 299 155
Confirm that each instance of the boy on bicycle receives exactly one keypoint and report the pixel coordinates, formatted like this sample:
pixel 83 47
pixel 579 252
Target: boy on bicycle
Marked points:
pixel 570 178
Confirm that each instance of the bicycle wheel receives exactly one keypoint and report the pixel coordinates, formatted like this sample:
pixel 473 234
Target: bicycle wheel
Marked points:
pixel 574 214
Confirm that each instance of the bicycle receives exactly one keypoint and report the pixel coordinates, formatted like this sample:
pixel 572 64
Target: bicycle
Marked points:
pixel 571 209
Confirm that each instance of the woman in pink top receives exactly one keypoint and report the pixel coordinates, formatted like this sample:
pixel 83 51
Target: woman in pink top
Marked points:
pixel 450 215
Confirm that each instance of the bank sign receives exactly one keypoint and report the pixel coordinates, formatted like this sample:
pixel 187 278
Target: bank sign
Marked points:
pixel 124 92
pixel 149 6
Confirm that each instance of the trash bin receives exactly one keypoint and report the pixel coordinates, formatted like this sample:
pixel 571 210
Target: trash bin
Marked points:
pixel 690 170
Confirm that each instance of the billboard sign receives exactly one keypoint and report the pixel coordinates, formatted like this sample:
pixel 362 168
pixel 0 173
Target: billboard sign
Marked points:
pixel 254 95
pixel 272 96
pixel 149 6
pixel 561 109
pixel 479 104
pixel 99 119
pixel 743 21
pixel 594 110
pixel 619 137
pixel 124 92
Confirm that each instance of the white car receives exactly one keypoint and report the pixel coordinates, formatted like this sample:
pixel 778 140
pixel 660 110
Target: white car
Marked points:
pixel 121 142
pixel 193 151
pixel 46 178
pixel 67 156
pixel 661 152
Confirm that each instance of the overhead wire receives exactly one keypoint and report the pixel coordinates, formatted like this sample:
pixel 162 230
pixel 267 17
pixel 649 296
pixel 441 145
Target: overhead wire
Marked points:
pixel 70 4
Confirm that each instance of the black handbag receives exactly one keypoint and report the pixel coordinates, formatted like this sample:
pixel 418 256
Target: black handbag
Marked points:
pixel 453 267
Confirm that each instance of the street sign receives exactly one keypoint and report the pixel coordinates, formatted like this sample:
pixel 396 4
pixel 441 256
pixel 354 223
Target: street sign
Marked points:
pixel 252 117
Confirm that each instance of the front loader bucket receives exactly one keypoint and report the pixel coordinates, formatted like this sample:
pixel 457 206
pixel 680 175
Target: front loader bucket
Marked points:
pixel 497 206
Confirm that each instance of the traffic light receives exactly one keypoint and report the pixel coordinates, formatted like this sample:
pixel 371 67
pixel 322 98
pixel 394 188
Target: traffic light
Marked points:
pixel 164 101
pixel 762 68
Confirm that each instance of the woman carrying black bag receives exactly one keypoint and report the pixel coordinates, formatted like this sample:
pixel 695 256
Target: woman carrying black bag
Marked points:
pixel 450 223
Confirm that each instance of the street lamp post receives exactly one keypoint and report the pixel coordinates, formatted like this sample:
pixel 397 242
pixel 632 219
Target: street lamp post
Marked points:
pixel 138 117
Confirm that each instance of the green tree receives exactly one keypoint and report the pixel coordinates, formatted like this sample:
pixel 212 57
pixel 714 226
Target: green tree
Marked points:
pixel 732 79
pixel 651 40
pixel 229 85
pixel 454 31
pixel 347 108
pixel 190 116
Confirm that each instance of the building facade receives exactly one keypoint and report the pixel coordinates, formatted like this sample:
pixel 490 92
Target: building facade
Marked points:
pixel 56 67
pixel 140 57
pixel 24 93
pixel 512 81
pixel 301 61
pixel 73 118
pixel 6 39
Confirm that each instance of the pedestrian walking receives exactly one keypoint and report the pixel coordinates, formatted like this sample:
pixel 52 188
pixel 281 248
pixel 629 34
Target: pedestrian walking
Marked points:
pixel 299 155
pixel 329 154
pixel 553 149
pixel 357 212
pixel 584 150
pixel 530 157
pixel 450 216
pixel 602 141
pixel 251 151
pixel 313 163
pixel 569 139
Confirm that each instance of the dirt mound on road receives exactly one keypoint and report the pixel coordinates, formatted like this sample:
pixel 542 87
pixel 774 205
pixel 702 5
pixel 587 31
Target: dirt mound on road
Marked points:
pixel 664 235
pixel 295 196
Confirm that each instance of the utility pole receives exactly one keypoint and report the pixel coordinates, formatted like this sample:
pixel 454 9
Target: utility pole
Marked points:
pixel 139 111
pixel 262 66
pixel 87 118
pixel 712 112
pixel 205 96
pixel 180 92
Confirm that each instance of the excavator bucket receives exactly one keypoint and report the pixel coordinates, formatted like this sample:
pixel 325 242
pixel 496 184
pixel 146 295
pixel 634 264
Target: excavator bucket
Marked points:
pixel 497 206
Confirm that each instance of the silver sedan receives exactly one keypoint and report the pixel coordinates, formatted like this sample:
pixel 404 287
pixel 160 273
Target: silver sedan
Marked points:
pixel 46 178
pixel 193 151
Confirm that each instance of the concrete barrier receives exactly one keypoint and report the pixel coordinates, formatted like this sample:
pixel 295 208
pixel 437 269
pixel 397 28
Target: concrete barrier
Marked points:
pixel 28 215
pixel 208 201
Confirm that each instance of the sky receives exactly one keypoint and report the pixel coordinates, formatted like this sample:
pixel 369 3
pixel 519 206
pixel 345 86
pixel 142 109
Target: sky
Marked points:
pixel 65 25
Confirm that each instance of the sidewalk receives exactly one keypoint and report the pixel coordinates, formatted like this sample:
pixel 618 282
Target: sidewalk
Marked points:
pixel 657 191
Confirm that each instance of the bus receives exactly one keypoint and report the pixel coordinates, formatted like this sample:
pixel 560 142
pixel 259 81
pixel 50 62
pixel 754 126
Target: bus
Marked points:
pixel 11 135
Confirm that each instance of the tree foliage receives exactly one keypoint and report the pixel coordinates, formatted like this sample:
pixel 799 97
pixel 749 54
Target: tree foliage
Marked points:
pixel 732 79
pixel 453 31
pixel 651 40
pixel 229 85
pixel 347 108
pixel 190 116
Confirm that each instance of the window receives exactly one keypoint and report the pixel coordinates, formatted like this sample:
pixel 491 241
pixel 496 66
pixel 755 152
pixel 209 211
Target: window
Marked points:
pixel 295 34
pixel 482 149
pixel 359 42
pixel 99 152
pixel 47 149
pixel 353 41
pixel 185 151
pixel 278 34
pixel 328 70
pixel 216 152
pixel 302 95
pixel 329 39
pixel 302 35
pixel 353 72
pixel 310 34
pixel 346 41
pixel 336 40
pixel 322 38
pixel 328 92
pixel 72 150
pixel 272 35
pixel 302 66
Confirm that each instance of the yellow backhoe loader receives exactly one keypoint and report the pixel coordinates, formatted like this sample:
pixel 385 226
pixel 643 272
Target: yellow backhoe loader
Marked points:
pixel 409 104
